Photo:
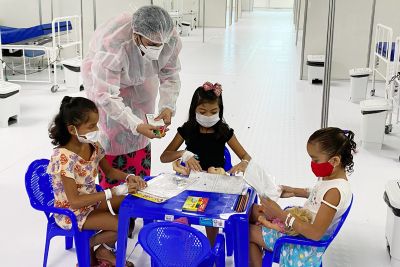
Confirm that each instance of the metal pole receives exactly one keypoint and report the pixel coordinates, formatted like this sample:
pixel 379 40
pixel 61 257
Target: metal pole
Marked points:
pixel 204 17
pixel 40 12
pixel 81 18
pixel 298 19
pixel 94 15
pixel 237 11
pixel 152 2
pixel 2 68
pixel 303 41
pixel 328 64
pixel 198 15
pixel 371 30
pixel 230 12
pixel 52 12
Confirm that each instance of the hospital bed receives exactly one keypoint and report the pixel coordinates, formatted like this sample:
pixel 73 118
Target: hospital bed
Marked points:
pixel 383 66
pixel 386 66
pixel 18 47
pixel 394 83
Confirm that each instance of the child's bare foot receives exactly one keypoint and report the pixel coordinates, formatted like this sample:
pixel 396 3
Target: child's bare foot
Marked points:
pixel 103 254
pixel 107 258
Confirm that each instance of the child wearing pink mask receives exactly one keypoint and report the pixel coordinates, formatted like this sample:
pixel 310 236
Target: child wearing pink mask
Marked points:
pixel 331 151
pixel 206 134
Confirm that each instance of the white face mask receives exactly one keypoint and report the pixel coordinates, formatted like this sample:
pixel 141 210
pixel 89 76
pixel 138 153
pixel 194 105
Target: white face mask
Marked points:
pixel 90 137
pixel 207 121
pixel 151 52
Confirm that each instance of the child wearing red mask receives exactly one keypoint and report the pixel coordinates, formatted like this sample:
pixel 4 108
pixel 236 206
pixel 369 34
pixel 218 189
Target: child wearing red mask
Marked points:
pixel 331 152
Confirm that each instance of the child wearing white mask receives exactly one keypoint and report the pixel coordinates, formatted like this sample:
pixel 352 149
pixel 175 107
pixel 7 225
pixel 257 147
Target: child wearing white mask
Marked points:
pixel 205 134
pixel 74 169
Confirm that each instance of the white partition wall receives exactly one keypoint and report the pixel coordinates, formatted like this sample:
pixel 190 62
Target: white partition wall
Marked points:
pixel 351 36
pixel 22 13
pixel 215 13
pixel 247 5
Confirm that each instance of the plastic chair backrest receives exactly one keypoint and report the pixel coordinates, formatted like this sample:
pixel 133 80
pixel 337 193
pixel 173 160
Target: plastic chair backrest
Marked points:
pixel 38 185
pixel 296 240
pixel 174 244
pixel 340 223
pixel 228 159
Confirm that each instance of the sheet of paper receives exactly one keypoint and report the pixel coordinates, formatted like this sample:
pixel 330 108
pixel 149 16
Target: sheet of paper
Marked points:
pixel 167 185
pixel 262 181
pixel 217 183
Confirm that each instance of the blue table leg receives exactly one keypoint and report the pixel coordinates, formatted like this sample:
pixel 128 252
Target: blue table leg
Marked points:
pixel 241 241
pixel 123 227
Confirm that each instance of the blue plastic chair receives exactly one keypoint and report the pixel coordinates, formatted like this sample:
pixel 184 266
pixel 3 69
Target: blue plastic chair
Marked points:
pixel 40 192
pixel 228 159
pixel 273 256
pixel 172 244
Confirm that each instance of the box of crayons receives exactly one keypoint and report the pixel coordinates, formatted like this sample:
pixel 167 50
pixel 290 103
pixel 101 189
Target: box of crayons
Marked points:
pixel 241 203
pixel 198 204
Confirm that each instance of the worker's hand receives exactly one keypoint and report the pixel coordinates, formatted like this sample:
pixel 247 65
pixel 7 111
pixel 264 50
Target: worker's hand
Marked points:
pixel 165 115
pixel 150 131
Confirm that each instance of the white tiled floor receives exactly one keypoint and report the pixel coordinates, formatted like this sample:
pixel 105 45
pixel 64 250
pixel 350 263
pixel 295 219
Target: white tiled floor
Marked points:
pixel 272 113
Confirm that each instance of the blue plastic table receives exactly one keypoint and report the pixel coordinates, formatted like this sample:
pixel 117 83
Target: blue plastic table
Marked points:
pixel 172 209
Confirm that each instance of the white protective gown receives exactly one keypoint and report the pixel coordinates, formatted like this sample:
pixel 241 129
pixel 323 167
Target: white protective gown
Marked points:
pixel 124 84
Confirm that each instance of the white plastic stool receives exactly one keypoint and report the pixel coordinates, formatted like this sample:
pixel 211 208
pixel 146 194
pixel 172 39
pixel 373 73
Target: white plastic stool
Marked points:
pixel 9 102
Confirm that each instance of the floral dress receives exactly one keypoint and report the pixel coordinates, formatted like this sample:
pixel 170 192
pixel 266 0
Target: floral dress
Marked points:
pixel 293 255
pixel 300 255
pixel 66 163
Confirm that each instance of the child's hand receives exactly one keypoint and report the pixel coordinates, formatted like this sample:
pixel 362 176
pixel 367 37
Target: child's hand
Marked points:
pixel 136 181
pixel 177 167
pixel 287 191
pixel 241 167
pixel 271 207
pixel 271 225
pixel 193 164
pixel 214 170
pixel 263 221
pixel 133 188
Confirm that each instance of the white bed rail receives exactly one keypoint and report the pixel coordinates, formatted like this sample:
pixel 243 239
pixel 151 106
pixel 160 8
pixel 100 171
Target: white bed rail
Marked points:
pixel 69 37
pixel 383 39
pixel 394 94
